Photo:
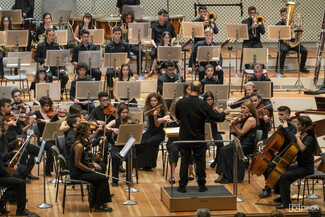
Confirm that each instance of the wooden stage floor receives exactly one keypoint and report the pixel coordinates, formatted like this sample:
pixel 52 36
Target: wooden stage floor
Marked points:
pixel 148 198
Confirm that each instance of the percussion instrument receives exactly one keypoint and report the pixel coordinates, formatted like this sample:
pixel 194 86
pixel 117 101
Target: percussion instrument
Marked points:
pixel 107 23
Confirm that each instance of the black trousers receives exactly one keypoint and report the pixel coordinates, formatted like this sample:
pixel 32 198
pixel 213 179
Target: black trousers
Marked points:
pixel 2 55
pixel 32 151
pixel 102 193
pixel 95 73
pixel 287 178
pixel 18 186
pixel 49 156
pixel 135 49
pixel 116 162
pixel 284 49
pixel 199 154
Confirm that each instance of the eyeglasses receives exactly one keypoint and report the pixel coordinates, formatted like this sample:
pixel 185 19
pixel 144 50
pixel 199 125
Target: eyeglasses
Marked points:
pixel 104 100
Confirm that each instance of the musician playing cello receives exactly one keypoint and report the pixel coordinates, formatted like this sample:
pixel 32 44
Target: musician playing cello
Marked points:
pixel 289 135
pixel 306 141
pixel 83 170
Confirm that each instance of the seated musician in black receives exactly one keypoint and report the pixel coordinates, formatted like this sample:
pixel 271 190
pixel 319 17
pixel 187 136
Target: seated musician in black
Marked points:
pixel 43 118
pixel 123 114
pixel 83 170
pixel 158 28
pixel 117 45
pixel 85 104
pixel 203 12
pixel 208 32
pixel 14 185
pixel 85 45
pixel 40 57
pixel 47 23
pixel 100 115
pixel 168 77
pixel 246 136
pixel 264 119
pixel 288 130
pixel 258 74
pixel 255 31
pixel 24 109
pixel 209 79
pixel 87 23
pixel 306 141
pixel 249 89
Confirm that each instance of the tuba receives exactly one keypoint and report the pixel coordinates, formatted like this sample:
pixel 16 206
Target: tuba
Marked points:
pixel 294 22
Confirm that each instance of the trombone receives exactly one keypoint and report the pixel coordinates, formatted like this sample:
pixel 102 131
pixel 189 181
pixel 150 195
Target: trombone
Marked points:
pixel 259 20
pixel 211 18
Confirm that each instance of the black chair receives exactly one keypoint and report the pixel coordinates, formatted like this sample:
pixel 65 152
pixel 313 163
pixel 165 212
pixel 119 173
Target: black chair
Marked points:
pixel 71 182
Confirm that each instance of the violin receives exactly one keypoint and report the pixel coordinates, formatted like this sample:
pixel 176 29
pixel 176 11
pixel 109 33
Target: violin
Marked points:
pixel 110 110
pixel 13 117
pixel 62 112
pixel 99 153
pixel 242 118
pixel 215 107
pixel 262 111
pixel 129 120
pixel 90 156
pixel 93 125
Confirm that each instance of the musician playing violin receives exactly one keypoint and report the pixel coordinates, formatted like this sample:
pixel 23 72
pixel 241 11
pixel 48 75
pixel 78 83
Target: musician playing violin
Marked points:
pixel 263 114
pixel 306 141
pixel 24 109
pixel 83 170
pixel 123 114
pixel 246 135
pixel 289 135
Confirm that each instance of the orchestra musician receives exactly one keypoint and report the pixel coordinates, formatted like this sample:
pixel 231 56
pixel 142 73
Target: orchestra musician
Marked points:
pixel 158 28
pixel 284 48
pixel 174 149
pixel 209 79
pixel 5 25
pixel 26 6
pixel 128 17
pixel 249 89
pixel 72 122
pixel 264 118
pixel 85 104
pixel 87 23
pixel 40 57
pixel 289 134
pixel 147 151
pixel 43 118
pixel 209 98
pixel 246 135
pixel 82 170
pixel 121 3
pixel 306 142
pixel 208 32
pixel 169 77
pixel 125 75
pixel 123 114
pixel 116 46
pixel 13 184
pixel 25 109
pixel 192 114
pixel 203 12
pixel 47 23
pixel 254 31
pixel 85 45
pixel 74 109
pixel 160 67
pixel 258 74
pixel 40 77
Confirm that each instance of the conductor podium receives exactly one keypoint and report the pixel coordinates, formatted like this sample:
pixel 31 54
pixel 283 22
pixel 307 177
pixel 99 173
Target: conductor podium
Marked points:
pixel 217 197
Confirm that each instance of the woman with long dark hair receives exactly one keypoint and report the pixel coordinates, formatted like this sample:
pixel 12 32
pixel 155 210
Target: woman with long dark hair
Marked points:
pixel 47 23
pixel 87 23
pixel 40 77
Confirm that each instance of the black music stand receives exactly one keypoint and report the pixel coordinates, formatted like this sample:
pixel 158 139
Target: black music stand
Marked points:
pixel 172 90
pixel 17 60
pixel 61 18
pixel 127 89
pixel 87 90
pixel 52 90
pixel 93 59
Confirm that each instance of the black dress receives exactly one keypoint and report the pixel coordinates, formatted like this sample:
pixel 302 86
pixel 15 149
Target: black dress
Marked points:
pixel 101 194
pixel 225 160
pixel 147 151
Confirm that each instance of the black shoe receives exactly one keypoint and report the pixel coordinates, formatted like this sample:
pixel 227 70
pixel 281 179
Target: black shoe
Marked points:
pixel 3 211
pixel 147 168
pixel 281 71
pixel 27 180
pixel 304 70
pixel 181 189
pixel 277 200
pixel 121 169
pixel 282 206
pixel 214 163
pixel 265 194
pixel 24 212
pixel 172 180
pixel 190 177
pixel 202 188
pixel 217 180
pixel 48 174
pixel 112 195
pixel 31 177
pixel 114 184
pixel 103 209
pixel 224 180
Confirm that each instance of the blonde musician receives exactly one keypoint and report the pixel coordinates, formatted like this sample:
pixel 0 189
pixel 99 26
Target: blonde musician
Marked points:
pixel 87 23
pixel 147 152
pixel 306 141
pixel 5 25
pixel 82 169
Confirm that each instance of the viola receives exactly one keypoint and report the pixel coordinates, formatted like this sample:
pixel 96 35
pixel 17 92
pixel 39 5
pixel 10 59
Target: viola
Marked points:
pixel 13 117
pixel 90 156
pixel 129 120
pixel 110 110
pixel 242 118
pixel 93 124
pixel 62 112
pixel 262 111
pixel 99 153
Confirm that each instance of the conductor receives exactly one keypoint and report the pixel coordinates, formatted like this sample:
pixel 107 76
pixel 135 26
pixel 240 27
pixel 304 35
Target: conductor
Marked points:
pixel 192 114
